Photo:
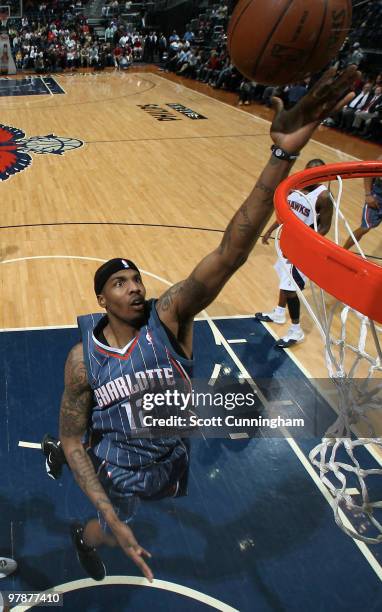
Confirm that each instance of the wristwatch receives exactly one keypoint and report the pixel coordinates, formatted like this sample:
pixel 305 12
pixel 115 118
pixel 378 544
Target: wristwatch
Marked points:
pixel 284 155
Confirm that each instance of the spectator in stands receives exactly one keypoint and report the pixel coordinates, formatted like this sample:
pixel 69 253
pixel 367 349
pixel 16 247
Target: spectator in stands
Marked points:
pixel 363 118
pixel 356 55
pixel 109 34
pixel 245 91
pixel 189 68
pixel 345 117
pixel 213 64
pixel 189 36
pixel 161 46
pixel 224 74
pixel 295 92
pixel 174 36
pixel 137 47
pixel 374 131
pixel 149 47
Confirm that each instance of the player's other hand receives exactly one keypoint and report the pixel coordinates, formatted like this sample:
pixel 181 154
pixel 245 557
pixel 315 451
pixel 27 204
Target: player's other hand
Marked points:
pixel 371 201
pixel 130 546
pixel 292 129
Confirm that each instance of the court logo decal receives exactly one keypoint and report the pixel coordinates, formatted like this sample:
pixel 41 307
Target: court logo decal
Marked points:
pixel 186 111
pixel 161 114
pixel 16 150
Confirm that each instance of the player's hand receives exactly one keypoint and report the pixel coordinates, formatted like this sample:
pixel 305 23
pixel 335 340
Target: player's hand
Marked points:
pixel 292 129
pixel 266 237
pixel 371 201
pixel 130 546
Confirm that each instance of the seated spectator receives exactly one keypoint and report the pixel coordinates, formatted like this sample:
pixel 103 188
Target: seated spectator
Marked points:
pixel 363 118
pixel 294 93
pixel 124 60
pixel 345 117
pixel 374 131
pixel 212 64
pixel 173 37
pixel 137 47
pixel 161 46
pixel 224 74
pixel 245 91
pixel 355 56
pixel 189 36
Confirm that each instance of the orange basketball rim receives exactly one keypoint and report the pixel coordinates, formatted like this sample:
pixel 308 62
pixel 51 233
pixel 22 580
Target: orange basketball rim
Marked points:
pixel 348 277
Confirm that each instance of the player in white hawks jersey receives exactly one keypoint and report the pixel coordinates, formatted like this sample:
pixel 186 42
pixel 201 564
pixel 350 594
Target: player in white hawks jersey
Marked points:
pixel 314 200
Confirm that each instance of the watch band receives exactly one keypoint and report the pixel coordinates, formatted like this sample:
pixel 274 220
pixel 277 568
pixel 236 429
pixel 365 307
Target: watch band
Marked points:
pixel 284 155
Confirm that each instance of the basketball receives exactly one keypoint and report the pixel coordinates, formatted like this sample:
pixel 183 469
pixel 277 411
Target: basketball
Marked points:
pixel 277 42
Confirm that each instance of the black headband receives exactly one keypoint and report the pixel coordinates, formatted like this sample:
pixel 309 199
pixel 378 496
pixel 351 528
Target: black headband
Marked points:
pixel 111 267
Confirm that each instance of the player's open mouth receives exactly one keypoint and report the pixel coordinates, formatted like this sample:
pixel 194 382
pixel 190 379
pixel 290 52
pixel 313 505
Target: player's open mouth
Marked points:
pixel 138 303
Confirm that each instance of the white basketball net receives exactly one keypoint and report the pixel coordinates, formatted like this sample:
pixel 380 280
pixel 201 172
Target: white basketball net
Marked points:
pixel 355 369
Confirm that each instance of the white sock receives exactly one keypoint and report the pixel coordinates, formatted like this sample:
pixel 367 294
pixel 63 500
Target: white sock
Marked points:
pixel 295 327
pixel 279 310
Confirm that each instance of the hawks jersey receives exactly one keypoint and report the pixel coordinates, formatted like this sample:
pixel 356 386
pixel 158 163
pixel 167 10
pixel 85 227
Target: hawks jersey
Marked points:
pixel 120 378
pixel 304 204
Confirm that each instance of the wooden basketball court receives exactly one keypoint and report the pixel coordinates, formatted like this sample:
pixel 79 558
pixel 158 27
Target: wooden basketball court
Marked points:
pixel 158 191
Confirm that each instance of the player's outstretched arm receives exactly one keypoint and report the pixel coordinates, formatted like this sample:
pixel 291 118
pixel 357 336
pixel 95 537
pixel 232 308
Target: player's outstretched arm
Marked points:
pixel 75 410
pixel 290 131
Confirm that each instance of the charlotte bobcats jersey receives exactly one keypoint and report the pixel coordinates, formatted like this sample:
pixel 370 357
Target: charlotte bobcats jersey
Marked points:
pixel 120 378
pixel 304 204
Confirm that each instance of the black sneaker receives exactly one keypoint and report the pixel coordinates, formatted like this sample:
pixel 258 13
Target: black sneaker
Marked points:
pixel 87 556
pixel 55 457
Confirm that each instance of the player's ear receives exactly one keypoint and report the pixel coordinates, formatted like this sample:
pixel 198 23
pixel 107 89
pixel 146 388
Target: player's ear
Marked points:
pixel 101 301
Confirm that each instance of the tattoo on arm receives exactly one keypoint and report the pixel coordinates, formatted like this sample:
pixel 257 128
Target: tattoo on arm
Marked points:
pixel 226 240
pixel 84 473
pixel 74 418
pixel 77 397
pixel 191 291
pixel 245 226
pixel 267 191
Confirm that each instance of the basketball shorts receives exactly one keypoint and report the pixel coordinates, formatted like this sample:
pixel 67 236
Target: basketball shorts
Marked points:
pixel 371 217
pixel 125 488
pixel 290 277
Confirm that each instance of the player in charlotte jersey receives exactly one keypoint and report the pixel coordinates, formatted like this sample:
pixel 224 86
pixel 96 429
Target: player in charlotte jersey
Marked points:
pixel 372 210
pixel 139 344
pixel 305 204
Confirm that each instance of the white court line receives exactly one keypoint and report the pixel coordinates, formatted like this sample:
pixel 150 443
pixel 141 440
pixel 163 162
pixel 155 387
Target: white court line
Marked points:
pixel 47 86
pixel 237 341
pixel 59 84
pixel 215 374
pixel 86 583
pixel 30 444
pixel 340 154
pixel 15 329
